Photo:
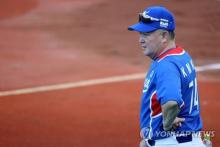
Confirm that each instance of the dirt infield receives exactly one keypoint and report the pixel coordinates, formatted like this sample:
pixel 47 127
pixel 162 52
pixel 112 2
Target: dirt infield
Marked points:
pixel 95 116
pixel 45 42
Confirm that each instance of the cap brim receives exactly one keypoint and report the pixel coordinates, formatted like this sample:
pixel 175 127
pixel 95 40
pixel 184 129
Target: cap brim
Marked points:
pixel 141 27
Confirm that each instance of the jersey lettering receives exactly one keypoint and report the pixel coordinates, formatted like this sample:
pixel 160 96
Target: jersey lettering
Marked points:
pixel 183 72
pixel 188 68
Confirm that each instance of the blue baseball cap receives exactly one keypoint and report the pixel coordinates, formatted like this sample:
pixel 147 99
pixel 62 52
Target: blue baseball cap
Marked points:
pixel 154 18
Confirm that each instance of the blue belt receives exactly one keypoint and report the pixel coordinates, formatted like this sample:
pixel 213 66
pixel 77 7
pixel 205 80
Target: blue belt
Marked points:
pixel 180 139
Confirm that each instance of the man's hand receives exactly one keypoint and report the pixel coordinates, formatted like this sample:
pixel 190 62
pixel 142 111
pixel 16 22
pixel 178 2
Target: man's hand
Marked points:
pixel 143 143
pixel 178 122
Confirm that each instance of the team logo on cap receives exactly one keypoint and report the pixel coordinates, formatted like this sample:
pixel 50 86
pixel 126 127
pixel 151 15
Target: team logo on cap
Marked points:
pixel 164 24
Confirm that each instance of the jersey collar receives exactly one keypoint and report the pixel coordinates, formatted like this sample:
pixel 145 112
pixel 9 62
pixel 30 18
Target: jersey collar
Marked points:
pixel 170 52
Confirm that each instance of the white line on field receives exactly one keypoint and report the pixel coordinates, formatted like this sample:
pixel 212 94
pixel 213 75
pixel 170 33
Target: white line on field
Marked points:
pixel 208 67
pixel 93 82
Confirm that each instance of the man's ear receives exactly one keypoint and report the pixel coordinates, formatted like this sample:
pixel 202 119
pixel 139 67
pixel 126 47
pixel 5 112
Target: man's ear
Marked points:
pixel 165 36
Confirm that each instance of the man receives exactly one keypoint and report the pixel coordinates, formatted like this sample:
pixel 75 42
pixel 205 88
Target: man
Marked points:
pixel 170 110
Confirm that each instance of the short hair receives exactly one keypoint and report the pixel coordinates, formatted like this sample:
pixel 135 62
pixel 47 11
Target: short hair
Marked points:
pixel 172 35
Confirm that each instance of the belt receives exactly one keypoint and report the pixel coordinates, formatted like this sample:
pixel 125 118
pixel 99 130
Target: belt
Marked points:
pixel 180 139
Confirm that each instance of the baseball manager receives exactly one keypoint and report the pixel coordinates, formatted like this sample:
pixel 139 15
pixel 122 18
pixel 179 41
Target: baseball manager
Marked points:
pixel 170 105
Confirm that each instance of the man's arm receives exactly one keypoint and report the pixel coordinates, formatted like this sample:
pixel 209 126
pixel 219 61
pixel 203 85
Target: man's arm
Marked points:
pixel 170 111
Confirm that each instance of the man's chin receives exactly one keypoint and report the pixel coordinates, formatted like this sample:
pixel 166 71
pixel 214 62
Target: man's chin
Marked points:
pixel 149 55
pixel 146 53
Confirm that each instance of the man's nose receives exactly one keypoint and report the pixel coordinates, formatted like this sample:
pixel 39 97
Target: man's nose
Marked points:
pixel 141 40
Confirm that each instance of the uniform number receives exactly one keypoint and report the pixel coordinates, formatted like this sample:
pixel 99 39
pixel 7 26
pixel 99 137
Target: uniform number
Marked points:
pixel 194 95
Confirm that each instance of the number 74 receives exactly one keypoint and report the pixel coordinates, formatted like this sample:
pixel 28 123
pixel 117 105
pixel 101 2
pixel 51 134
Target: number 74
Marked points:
pixel 194 95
